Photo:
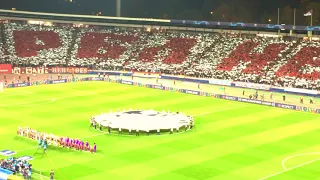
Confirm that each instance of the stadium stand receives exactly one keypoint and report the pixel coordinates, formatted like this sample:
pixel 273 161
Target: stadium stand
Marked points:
pixel 275 61
pixel 36 45
pixel 15 166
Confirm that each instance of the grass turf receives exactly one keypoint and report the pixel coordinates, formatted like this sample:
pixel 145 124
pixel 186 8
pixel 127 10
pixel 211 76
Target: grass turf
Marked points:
pixel 231 140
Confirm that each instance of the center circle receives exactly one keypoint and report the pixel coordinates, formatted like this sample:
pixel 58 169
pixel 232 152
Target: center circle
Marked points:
pixel 143 120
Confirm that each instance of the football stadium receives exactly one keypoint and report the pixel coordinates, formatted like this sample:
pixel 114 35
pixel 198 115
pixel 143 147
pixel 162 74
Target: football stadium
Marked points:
pixel 100 97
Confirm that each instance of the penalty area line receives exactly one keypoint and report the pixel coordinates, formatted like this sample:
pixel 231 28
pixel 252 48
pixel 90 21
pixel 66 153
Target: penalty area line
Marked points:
pixel 297 155
pixel 289 169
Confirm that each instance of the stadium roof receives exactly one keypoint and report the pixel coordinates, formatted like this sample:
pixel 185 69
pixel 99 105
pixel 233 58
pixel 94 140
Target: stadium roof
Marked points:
pixel 25 15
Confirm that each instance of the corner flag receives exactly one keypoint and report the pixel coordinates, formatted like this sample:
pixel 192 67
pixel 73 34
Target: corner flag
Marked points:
pixel 309 13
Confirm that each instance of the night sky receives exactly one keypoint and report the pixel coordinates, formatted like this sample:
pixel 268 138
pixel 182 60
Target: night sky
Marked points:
pixel 224 10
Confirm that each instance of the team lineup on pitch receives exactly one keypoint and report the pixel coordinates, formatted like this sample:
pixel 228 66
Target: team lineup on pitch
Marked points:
pixel 269 143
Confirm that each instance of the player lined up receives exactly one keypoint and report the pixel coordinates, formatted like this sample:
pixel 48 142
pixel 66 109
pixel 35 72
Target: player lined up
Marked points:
pixel 45 139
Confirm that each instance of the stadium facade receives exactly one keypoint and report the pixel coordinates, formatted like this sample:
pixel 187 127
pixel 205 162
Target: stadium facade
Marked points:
pixel 184 25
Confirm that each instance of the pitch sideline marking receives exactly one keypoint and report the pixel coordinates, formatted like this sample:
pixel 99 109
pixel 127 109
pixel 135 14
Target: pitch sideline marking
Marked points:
pixel 32 103
pixel 23 92
pixel 289 169
pixel 35 103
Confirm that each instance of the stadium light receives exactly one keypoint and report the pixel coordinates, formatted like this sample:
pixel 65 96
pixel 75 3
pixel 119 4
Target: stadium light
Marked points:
pixel 211 12
pixel 118 8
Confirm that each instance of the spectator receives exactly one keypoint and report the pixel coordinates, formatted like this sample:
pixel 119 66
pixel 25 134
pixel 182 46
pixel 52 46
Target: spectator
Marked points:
pixel 17 166
pixel 247 58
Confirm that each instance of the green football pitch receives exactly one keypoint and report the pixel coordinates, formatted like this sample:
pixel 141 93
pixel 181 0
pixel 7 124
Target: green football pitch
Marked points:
pixel 230 141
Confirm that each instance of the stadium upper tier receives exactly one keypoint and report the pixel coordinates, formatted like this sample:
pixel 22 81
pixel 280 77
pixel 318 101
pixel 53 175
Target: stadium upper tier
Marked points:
pixel 275 61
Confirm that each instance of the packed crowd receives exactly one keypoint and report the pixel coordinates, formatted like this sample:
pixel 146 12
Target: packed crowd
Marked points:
pixel 275 61
pixel 17 166
pixel 59 141
pixel 36 45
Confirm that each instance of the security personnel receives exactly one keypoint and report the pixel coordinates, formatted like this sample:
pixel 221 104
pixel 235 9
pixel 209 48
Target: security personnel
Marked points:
pixel 311 100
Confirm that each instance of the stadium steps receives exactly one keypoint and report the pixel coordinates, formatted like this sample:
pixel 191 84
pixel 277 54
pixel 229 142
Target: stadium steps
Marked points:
pixel 3 38
pixel 208 49
pixel 73 42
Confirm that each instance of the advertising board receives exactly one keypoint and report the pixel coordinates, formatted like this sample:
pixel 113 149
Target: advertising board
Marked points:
pixel 252 85
pixel 30 70
pixel 5 68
